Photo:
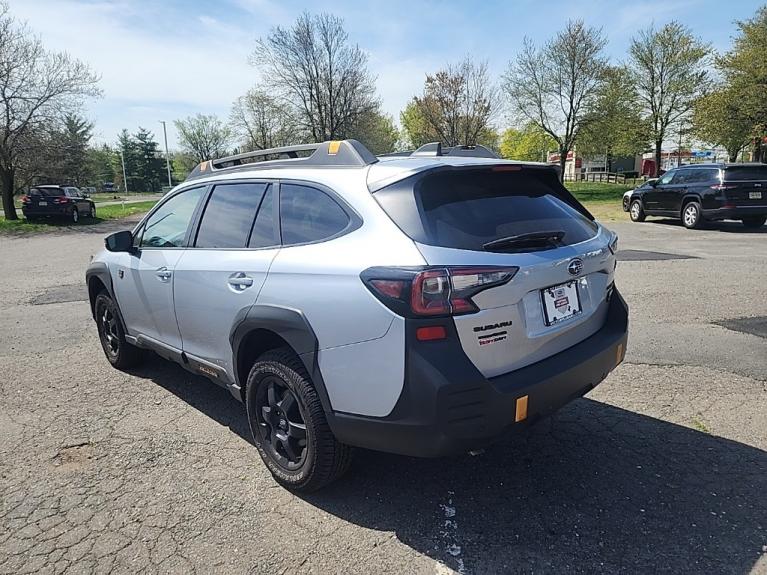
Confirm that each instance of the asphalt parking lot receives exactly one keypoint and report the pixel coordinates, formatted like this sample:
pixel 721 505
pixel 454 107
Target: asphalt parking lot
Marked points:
pixel 662 468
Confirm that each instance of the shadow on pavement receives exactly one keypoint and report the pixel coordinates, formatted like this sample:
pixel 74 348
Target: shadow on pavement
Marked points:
pixel 595 488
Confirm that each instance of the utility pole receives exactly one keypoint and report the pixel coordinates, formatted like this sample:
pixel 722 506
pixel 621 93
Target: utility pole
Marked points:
pixel 167 156
pixel 125 175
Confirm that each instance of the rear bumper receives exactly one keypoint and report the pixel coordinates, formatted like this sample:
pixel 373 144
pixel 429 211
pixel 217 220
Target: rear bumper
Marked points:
pixel 448 407
pixel 735 213
pixel 58 210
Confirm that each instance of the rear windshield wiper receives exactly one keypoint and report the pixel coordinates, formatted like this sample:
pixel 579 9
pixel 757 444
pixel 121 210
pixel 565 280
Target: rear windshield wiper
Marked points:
pixel 530 240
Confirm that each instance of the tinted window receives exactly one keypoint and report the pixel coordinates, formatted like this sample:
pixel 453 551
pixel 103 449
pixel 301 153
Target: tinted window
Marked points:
pixel 229 216
pixel 263 234
pixel 696 175
pixel 666 178
pixel 166 228
pixel 48 192
pixel 469 208
pixel 746 173
pixel 309 215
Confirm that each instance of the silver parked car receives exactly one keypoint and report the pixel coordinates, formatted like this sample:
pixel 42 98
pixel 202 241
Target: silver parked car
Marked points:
pixel 421 304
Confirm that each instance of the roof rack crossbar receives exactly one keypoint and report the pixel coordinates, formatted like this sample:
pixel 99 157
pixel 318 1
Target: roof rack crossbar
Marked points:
pixel 437 149
pixel 338 153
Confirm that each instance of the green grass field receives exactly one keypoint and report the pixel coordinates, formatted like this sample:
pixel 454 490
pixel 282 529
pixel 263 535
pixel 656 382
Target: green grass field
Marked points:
pixel 602 200
pixel 22 226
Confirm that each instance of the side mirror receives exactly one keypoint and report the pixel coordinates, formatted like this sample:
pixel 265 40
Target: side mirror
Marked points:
pixel 119 242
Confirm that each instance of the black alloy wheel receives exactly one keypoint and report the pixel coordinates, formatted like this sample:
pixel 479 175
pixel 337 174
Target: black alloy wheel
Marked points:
pixel 281 425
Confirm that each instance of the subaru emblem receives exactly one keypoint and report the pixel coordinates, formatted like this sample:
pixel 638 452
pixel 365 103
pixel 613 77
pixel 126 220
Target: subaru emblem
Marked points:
pixel 575 266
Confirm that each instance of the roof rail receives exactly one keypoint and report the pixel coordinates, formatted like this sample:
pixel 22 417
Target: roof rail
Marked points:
pixel 436 149
pixel 336 153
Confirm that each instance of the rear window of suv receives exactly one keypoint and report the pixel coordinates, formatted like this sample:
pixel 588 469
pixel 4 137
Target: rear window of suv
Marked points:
pixel 745 173
pixel 467 209
pixel 47 192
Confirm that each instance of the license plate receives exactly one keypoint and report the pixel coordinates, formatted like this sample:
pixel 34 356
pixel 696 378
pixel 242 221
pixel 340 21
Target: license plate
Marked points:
pixel 42 203
pixel 754 195
pixel 561 302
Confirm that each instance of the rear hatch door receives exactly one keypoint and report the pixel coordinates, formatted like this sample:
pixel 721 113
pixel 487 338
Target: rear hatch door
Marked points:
pixel 746 186
pixel 523 219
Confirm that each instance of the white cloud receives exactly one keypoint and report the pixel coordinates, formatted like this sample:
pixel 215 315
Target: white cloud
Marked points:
pixel 147 58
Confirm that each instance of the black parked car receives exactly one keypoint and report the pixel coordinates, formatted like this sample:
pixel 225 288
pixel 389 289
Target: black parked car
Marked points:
pixel 701 192
pixel 57 201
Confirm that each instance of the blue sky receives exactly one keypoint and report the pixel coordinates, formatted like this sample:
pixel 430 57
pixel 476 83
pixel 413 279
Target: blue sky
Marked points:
pixel 166 59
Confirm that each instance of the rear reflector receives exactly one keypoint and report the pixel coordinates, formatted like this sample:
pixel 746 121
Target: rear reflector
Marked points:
pixel 431 333
pixel 521 411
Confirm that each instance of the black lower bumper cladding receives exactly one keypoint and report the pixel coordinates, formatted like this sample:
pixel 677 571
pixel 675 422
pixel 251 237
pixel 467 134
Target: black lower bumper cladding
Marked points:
pixel 447 406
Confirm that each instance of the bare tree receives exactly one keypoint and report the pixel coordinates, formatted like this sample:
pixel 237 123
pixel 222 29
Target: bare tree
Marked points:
pixel 204 137
pixel 263 122
pixel 669 69
pixel 37 88
pixel 553 86
pixel 322 77
pixel 459 102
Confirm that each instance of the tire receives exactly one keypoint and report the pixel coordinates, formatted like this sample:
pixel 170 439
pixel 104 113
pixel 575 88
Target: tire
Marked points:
pixel 31 218
pixel 75 215
pixel 121 354
pixel 754 222
pixel 691 216
pixel 289 426
pixel 636 211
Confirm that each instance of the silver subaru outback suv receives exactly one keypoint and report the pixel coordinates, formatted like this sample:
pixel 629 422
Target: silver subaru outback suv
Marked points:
pixel 420 304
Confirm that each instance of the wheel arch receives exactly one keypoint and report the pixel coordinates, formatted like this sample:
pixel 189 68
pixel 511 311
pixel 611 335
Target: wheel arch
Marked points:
pixel 687 198
pixel 266 327
pixel 98 279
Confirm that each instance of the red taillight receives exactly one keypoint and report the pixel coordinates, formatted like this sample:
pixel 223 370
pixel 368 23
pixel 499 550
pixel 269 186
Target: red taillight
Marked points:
pixel 433 291
pixel 25 199
pixel 61 200
pixel 431 333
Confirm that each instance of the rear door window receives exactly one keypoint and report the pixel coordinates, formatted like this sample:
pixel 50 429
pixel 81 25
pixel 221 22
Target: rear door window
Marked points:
pixel 468 209
pixel 229 215
pixel 309 215
pixel 745 173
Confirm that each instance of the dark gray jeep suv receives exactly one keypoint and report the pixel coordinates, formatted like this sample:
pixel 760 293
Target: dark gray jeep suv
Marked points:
pixel 701 192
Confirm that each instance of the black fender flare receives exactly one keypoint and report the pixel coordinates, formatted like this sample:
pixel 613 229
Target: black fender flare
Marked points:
pixel 100 270
pixel 293 327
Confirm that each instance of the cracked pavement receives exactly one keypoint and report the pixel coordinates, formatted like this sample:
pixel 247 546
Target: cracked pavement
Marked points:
pixel 662 468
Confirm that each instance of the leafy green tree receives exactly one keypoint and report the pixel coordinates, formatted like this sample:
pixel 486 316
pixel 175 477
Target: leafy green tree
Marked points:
pixel 144 166
pixel 719 118
pixel 552 86
pixel 416 131
pixel 205 137
pixel 378 133
pixel 181 163
pixel 744 69
pixel 669 69
pixel 102 164
pixel 530 144
pixel 613 125
pixel 68 151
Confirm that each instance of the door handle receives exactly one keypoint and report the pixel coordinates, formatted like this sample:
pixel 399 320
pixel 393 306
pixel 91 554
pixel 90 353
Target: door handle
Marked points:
pixel 240 281
pixel 163 274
